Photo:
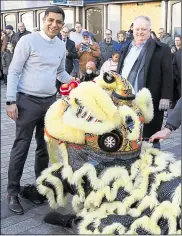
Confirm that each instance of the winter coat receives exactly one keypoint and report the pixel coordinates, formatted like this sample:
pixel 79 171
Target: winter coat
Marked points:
pixel 72 54
pixel 107 50
pixel 119 45
pixel 88 77
pixel 108 65
pixel 174 118
pixel 177 76
pixel 168 40
pixel 86 56
pixel 158 79
pixel 18 36
pixel 6 61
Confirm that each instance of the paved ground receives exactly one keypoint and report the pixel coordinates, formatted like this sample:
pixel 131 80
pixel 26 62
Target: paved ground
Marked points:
pixel 32 221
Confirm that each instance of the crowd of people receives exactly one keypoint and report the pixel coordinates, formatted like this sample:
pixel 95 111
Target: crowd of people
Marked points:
pixel 43 60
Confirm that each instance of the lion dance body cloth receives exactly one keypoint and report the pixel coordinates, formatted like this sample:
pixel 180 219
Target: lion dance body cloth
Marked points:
pixel 119 183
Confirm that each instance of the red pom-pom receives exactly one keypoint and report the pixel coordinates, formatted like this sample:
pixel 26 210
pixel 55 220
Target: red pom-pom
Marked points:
pixel 65 89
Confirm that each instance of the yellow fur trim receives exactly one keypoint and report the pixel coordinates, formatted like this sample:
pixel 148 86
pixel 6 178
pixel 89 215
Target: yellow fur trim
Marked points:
pixel 176 198
pixel 144 101
pixel 56 128
pixel 127 111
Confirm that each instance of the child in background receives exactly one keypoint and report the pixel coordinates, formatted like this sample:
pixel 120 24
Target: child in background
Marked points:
pixel 110 64
pixel 6 60
pixel 90 72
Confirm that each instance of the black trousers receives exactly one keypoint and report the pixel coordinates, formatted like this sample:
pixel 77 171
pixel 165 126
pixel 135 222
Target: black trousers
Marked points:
pixel 31 113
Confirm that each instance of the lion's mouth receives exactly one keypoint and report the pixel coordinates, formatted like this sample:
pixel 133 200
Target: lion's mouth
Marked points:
pixel 84 113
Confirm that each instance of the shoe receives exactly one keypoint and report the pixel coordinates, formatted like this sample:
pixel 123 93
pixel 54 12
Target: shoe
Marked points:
pixel 14 205
pixel 30 192
pixel 55 218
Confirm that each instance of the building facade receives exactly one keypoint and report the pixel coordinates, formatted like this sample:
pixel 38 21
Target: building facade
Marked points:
pixel 96 15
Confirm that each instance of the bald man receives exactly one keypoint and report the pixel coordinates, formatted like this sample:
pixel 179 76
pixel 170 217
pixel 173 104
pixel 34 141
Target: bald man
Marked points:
pixel 21 32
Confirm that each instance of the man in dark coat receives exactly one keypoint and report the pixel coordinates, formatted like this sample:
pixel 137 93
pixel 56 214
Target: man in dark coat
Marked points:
pixel 148 63
pixel 177 73
pixel 10 34
pixel 21 32
pixel 70 52
pixel 107 47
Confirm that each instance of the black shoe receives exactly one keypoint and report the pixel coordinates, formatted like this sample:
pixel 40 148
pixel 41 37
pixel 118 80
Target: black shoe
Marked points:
pixel 55 218
pixel 14 205
pixel 30 192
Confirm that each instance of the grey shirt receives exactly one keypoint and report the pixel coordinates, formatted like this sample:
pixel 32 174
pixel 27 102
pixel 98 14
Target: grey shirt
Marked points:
pixel 37 62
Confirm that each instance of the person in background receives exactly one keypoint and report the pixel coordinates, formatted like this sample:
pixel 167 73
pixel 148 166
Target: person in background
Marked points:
pixel 11 34
pixel 166 38
pixel 21 32
pixel 87 51
pixel 173 123
pixel 39 58
pixel 90 72
pixel 148 63
pixel 76 36
pixel 122 41
pixel 71 53
pixel 129 33
pixel 177 70
pixel 107 46
pixel 4 42
pixel 6 60
pixel 154 36
pixel 111 63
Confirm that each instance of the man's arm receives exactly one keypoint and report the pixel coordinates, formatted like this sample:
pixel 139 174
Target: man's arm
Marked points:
pixel 62 75
pixel 21 55
pixel 174 117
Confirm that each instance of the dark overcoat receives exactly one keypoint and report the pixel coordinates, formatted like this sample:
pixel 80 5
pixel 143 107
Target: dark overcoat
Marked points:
pixel 72 54
pixel 158 79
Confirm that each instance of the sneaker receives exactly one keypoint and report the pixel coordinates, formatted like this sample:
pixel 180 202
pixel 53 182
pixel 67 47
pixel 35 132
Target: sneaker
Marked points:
pixel 30 192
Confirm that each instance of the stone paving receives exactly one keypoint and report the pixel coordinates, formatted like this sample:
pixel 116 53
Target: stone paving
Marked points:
pixel 32 221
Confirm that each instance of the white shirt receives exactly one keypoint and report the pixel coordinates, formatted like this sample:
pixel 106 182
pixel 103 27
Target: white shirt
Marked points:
pixel 44 35
pixel 130 61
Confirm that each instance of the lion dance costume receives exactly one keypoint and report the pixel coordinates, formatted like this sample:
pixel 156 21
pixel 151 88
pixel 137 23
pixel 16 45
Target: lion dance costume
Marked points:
pixel 120 184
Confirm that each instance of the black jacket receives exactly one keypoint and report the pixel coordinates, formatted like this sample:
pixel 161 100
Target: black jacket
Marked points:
pixel 18 36
pixel 72 54
pixel 158 79
pixel 177 66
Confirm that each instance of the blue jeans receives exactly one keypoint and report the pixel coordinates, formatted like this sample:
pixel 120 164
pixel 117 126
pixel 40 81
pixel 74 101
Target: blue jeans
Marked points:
pixel 157 145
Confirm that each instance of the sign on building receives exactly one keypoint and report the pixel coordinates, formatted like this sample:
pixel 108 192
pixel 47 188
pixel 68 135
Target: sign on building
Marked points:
pixel 68 3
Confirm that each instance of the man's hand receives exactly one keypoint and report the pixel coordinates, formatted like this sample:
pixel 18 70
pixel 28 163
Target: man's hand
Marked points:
pixel 164 104
pixel 161 135
pixel 12 111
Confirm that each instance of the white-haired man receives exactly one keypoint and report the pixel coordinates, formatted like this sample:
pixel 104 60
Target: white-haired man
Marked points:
pixel 148 63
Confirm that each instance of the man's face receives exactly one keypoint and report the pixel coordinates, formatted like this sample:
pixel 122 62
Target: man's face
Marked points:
pixel 108 35
pixel 177 42
pixel 141 30
pixel 161 33
pixel 8 31
pixel 52 24
pixel 21 27
pixel 86 39
pixel 78 28
pixel 64 33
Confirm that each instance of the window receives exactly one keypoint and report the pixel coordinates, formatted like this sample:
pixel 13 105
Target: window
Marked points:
pixel 41 15
pixel 27 19
pixel 10 20
pixel 69 18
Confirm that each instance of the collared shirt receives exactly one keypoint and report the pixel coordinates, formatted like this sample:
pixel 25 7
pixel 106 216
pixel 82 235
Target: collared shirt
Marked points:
pixel 130 60
pixel 44 36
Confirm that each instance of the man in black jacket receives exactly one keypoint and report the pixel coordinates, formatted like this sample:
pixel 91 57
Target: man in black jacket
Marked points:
pixel 148 63
pixel 11 34
pixel 21 32
pixel 70 52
